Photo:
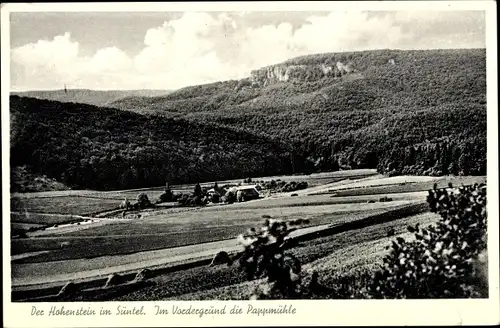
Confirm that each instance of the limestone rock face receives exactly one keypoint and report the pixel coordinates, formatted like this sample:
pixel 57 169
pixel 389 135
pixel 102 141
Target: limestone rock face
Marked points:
pixel 298 73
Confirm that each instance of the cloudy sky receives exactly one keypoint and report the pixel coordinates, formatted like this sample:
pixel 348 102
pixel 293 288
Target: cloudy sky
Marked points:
pixel 170 50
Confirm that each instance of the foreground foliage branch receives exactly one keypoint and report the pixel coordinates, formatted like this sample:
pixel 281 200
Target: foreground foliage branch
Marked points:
pixel 265 256
pixel 443 261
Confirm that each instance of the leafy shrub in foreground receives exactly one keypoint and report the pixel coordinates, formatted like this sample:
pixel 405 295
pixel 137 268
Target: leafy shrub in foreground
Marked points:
pixel 265 256
pixel 442 260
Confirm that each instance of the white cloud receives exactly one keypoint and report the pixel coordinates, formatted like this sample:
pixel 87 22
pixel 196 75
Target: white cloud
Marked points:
pixel 45 53
pixel 182 51
pixel 46 63
pixel 205 47
pixel 109 59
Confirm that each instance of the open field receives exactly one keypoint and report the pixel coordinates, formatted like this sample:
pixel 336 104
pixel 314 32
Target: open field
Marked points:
pixel 112 243
pixel 63 205
pixel 314 179
pixel 321 199
pixel 185 228
pixel 404 179
pixel 88 201
pixel 385 187
pixel 43 219
pixel 223 283
pixel 307 250
pixel 26 226
pixel 46 272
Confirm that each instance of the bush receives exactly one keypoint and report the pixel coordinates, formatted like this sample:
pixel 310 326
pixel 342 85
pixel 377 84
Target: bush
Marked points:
pixel 440 262
pixel 302 185
pixel 167 196
pixel 182 199
pixel 143 201
pixel 18 233
pixel 265 256
pixel 298 222
pixel 176 196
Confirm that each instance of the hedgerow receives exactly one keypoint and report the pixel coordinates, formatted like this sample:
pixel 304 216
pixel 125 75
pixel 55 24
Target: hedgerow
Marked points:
pixel 283 186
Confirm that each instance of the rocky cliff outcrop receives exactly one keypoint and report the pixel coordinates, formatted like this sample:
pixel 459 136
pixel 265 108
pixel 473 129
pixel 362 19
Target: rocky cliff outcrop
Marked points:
pixel 298 73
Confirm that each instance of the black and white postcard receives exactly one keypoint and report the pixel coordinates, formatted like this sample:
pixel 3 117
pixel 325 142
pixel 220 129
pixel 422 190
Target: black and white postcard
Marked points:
pixel 250 163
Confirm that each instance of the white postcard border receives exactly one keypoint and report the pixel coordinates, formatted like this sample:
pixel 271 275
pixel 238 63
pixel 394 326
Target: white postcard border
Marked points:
pixel 311 313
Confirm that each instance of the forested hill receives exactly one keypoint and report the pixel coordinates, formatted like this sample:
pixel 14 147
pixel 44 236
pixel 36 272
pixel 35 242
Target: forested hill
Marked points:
pixel 100 148
pixel 402 112
pixel 417 112
pixel 90 97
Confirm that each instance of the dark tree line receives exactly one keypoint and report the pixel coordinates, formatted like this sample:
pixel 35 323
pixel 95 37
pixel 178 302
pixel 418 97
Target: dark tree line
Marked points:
pixel 447 157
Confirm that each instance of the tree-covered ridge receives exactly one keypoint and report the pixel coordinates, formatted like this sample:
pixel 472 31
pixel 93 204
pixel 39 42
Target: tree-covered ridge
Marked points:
pixel 387 104
pixel 90 97
pixel 102 148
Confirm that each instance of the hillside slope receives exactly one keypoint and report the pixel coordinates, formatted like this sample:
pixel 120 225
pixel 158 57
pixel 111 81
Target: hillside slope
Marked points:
pixel 417 112
pixel 90 97
pixel 101 148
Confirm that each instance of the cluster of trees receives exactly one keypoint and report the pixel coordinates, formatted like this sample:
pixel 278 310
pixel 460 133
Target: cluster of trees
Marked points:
pixel 459 156
pixel 199 197
pixel 142 202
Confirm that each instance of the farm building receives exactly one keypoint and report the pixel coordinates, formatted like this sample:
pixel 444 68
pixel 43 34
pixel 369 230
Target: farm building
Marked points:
pixel 244 193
